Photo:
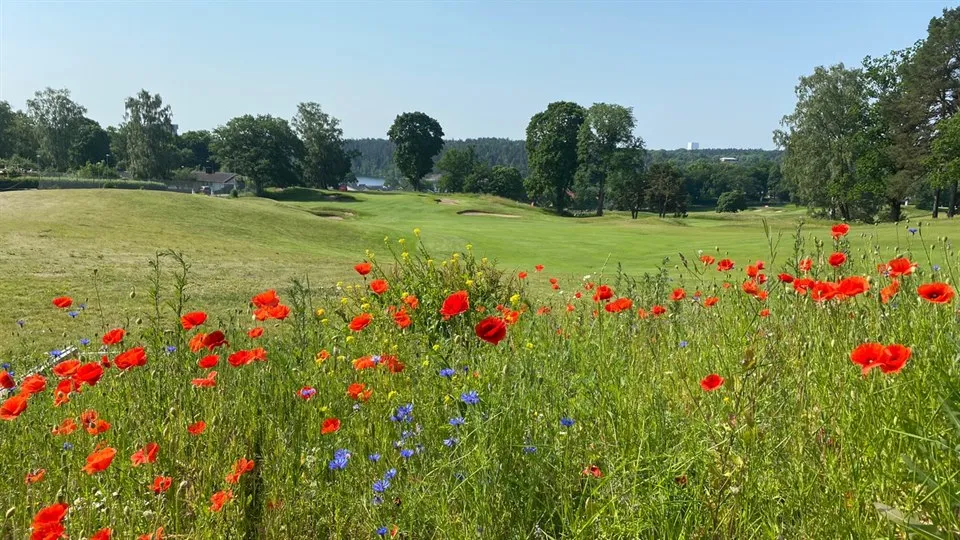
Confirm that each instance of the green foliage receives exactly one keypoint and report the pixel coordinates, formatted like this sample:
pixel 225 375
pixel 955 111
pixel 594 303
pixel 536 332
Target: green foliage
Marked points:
pixel 455 165
pixel 374 157
pixel 97 170
pixel 607 129
pixel 56 120
pixel 193 150
pixel 262 148
pixel 67 182
pixel 148 137
pixel 15 183
pixel 325 162
pixel 732 202
pixel 666 191
pixel 234 193
pixel 417 138
pixel 91 144
pixel 628 181
pixel 552 152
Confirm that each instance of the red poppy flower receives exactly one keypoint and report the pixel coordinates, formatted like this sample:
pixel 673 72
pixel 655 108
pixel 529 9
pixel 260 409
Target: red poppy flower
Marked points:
pixel 894 358
pixel 220 498
pixel 158 535
pixel 330 425
pixel 937 293
pixel 6 381
pixel 364 362
pixel 752 271
pixel 113 336
pixel 197 428
pixel 764 312
pixel 379 286
pixel 359 392
pixel 802 285
pixel 593 471
pixel 889 291
pixel 852 286
pixel 255 332
pixel 725 265
pixel 13 407
pixel 538 268
pixel 411 301
pixel 363 268
pixel 33 384
pixel 711 382
pixel 492 330
pixel 66 427
pixel 392 363
pixel 603 293
pixel 131 358
pixel 278 312
pixel 841 229
pixel 196 342
pixel 805 265
pixel 710 301
pixel 206 382
pixel 259 354
pixel 161 484
pixel 750 287
pixel 97 426
pixel 785 278
pixel 618 305
pixel 678 294
pixel 48 522
pixel 34 476
pixel 402 318
pixel 99 460
pixel 837 259
pixel 66 368
pixel 147 454
pixel 455 304
pixel 658 310
pixel 63 302
pixel 360 322
pixel 543 310
pixel 824 290
pixel 241 467
pixel 193 319
pixel 267 298
pixel 900 267
pixel 511 317
pixel 208 361
pixel 867 354
pixel 707 260
pixel 103 534
pixel 214 339
pixel 62 392
pixel 522 275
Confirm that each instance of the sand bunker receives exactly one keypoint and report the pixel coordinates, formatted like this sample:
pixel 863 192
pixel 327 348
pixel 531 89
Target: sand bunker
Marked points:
pixel 447 201
pixel 482 213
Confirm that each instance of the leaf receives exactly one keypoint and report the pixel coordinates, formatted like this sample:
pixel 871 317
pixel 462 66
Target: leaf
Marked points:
pixel 911 524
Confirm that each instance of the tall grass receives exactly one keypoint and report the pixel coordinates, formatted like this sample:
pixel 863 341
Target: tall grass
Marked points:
pixel 797 442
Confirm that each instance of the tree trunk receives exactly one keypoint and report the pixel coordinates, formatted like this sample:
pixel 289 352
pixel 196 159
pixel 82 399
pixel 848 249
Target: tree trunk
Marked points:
pixel 559 201
pixel 895 210
pixel 936 203
pixel 600 200
pixel 951 208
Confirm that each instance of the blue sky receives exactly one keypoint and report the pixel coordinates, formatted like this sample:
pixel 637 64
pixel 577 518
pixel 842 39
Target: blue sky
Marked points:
pixel 721 74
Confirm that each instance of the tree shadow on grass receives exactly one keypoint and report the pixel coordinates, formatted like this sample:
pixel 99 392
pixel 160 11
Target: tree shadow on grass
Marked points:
pixel 300 194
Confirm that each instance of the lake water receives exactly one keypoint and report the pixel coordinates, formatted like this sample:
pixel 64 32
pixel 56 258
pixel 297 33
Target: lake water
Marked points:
pixel 370 182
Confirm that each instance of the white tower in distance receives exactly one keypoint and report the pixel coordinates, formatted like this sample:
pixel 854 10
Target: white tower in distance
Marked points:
pixel 693 146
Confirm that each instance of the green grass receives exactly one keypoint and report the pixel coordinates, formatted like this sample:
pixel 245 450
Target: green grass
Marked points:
pixel 797 443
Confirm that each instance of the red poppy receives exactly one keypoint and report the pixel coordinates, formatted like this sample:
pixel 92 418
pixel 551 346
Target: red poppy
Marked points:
pixel 131 358
pixel 208 361
pixel 66 427
pixel 603 293
pixel 97 426
pixel 259 354
pixel 618 305
pixel 837 259
pixel 359 392
pixel 455 304
pixel 214 339
pixel 255 332
pixel 937 293
pixel 785 278
pixel 678 294
pixel 492 330
pixel 522 275
pixel 511 317
pixel 802 285
pixel 99 460
pixel 538 268
pixel 267 298
pixel 218 499
pixel 852 286
pixel 158 535
pixel 330 425
pixel 402 318
pixel 411 301
pixel 392 363
pixel 113 336
pixel 63 302
pixel 710 301
pixel 867 354
pixel 764 312
pixel 805 265
pixel 889 291
pixel 543 310
pixel 62 392
pixel 197 428
pixel 838 230
pixel 707 260
pixel 752 271
pixel 278 312
pixel 103 534
pixel 363 268
pixel 824 290
pixel 34 476
pixel 593 471
pixel 379 286
pixel 206 382
pixel 725 265
pixel 33 384
pixel 147 454
pixel 364 362
pixel 360 322
pixel 196 342
pixel 658 310
pixel 241 467
pixel 161 484
pixel 6 381
pixel 13 407
pixel 48 522
pixel 193 319
pixel 711 382
pixel 750 287
pixel 66 368
pixel 900 267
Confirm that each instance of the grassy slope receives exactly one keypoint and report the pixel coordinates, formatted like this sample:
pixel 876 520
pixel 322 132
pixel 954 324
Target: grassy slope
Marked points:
pixel 52 241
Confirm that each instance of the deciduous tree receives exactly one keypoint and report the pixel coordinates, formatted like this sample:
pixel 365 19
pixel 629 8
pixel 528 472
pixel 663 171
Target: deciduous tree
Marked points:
pixel 262 148
pixel 552 151
pixel 56 120
pixel 417 139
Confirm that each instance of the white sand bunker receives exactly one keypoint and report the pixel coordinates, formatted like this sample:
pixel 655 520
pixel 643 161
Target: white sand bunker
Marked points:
pixel 482 213
pixel 447 201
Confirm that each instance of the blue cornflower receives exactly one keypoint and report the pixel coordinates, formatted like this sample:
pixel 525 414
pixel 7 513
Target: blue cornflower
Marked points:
pixel 382 531
pixel 67 446
pixel 683 344
pixel 451 442
pixel 460 476
pixel 406 434
pixel 456 422
pixel 306 393
pixel 911 230
pixel 171 349
pixel 21 322
pixel 377 500
pixel 406 453
pixel 466 369
pixel 84 342
pixel 73 314
pixel 381 485
pixel 404 413
pixel 56 353
pixel 5 366
pixel 936 268
pixel 529 449
pixel 81 307
pixel 376 359
pixel 470 398
pixel 447 372
pixel 374 457
pixel 390 475
pixel 338 463
pixel 566 422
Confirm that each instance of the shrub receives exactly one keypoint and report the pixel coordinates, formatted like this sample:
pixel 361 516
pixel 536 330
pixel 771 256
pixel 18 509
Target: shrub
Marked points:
pixel 732 201
pixel 95 183
pixel 234 193
pixel 97 170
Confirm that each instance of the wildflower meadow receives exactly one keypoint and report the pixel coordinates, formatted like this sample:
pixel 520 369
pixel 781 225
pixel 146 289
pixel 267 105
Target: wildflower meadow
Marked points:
pixel 812 394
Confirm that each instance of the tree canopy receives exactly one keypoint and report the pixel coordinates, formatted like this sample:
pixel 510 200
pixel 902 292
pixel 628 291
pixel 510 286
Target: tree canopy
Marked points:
pixel 417 139
pixel 148 136
pixel 262 148
pixel 552 151
pixel 325 162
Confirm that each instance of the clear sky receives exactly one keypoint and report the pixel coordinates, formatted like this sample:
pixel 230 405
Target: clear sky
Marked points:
pixel 718 73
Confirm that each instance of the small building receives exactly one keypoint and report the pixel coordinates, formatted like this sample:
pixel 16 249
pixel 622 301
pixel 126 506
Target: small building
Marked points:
pixel 693 145
pixel 728 160
pixel 219 182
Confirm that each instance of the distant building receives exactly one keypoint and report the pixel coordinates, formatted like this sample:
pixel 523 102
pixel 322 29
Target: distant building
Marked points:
pixel 728 160
pixel 693 146
pixel 218 182
pixel 176 129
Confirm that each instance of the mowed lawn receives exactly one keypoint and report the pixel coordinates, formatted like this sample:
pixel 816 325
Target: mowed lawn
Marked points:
pixel 70 241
